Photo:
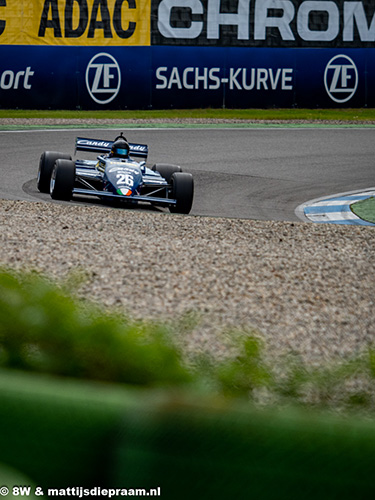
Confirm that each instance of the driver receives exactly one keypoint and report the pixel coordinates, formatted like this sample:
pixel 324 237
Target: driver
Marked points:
pixel 120 148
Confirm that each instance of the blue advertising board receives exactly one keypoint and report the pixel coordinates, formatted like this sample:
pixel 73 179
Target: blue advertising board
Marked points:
pixel 260 77
pixel 127 54
pixel 144 77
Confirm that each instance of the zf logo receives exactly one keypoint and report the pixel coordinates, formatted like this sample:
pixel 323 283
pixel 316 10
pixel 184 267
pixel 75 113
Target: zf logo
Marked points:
pixel 341 78
pixel 103 78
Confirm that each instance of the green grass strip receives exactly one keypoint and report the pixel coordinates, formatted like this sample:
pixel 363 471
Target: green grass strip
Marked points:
pixel 365 209
pixel 126 126
pixel 355 115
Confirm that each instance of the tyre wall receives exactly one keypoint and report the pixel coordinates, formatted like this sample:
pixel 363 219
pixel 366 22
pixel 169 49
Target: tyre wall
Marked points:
pixel 141 54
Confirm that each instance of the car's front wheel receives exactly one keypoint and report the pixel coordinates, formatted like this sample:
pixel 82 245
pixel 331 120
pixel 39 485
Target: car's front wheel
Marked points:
pixel 182 185
pixel 46 164
pixel 62 180
pixel 166 170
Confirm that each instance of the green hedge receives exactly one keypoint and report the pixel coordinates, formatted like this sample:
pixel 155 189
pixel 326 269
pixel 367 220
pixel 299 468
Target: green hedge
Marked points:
pixel 63 433
pixel 144 418
pixel 58 432
pixel 44 329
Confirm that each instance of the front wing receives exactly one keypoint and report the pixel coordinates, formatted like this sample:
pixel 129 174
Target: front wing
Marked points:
pixel 149 198
pixel 106 194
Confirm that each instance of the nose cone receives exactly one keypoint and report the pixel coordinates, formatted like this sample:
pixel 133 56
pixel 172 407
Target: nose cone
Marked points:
pixel 123 177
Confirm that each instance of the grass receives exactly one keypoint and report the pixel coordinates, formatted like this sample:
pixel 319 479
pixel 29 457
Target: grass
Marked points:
pixel 237 114
pixel 365 209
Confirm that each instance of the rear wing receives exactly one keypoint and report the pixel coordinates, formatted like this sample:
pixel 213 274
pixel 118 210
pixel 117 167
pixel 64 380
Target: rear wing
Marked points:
pixel 100 146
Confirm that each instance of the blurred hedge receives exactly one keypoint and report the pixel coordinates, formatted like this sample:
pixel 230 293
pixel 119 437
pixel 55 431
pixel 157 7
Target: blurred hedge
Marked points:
pixel 44 328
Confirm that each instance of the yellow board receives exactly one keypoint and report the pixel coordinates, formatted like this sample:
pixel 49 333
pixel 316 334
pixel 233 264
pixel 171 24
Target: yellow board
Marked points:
pixel 75 22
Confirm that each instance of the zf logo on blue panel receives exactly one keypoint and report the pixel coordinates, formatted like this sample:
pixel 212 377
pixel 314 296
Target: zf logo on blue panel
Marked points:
pixel 341 78
pixel 103 78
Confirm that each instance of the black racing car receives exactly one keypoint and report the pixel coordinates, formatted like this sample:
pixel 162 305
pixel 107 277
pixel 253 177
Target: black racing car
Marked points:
pixel 115 175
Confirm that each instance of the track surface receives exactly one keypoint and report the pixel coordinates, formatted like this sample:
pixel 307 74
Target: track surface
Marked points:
pixel 260 174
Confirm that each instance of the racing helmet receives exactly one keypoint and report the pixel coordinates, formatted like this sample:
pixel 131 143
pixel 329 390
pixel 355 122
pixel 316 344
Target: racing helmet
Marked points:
pixel 120 148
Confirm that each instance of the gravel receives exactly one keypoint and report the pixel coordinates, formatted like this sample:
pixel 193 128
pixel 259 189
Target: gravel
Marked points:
pixel 302 287
pixel 172 121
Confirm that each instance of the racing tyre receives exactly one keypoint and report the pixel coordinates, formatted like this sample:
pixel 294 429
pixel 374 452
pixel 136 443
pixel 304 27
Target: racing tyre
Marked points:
pixel 62 180
pixel 46 164
pixel 166 170
pixel 183 192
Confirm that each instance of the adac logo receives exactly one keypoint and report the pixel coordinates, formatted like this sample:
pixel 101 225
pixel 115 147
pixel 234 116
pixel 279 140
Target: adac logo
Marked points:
pixel 341 78
pixel 103 78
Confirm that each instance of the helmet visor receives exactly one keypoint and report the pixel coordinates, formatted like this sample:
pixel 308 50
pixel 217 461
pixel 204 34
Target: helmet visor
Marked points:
pixel 121 151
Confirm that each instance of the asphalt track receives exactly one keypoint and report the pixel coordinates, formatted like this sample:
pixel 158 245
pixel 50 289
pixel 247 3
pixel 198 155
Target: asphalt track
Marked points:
pixel 252 173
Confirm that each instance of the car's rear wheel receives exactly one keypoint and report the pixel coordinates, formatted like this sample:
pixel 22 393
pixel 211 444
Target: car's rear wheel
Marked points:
pixel 62 180
pixel 46 164
pixel 183 192
pixel 166 170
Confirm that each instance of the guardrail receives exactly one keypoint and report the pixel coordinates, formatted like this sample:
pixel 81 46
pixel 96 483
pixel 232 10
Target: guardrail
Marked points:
pixel 99 438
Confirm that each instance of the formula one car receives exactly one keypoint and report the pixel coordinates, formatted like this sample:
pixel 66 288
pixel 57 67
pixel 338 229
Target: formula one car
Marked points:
pixel 115 175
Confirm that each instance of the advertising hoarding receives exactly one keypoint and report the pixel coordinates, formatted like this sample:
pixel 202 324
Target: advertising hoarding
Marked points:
pixel 128 54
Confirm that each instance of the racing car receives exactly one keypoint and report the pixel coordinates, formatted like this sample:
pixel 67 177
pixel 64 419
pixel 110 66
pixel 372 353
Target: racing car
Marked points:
pixel 119 173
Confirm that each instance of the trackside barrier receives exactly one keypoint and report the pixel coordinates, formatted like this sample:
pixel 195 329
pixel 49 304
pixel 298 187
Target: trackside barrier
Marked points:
pixel 33 77
pixel 127 54
pixel 64 433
